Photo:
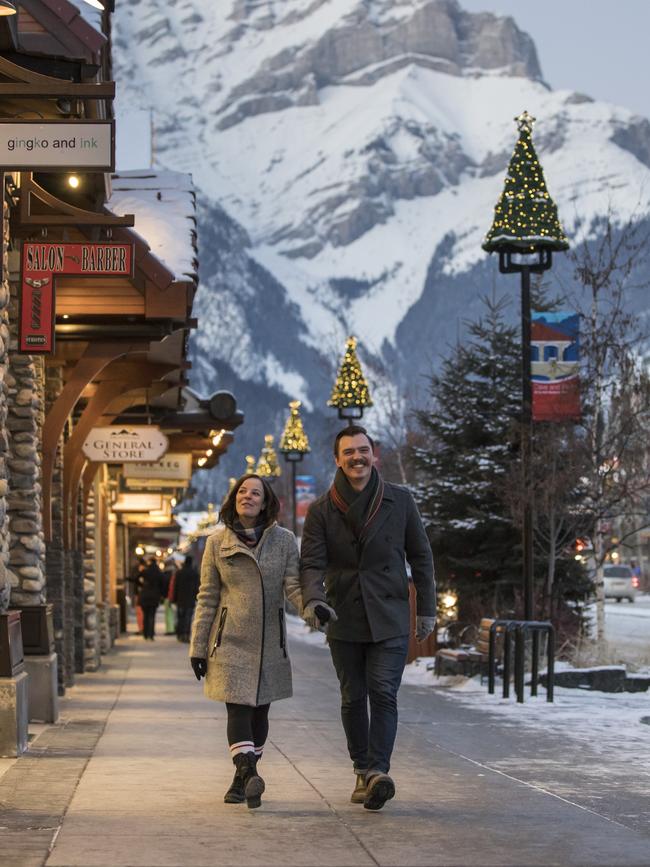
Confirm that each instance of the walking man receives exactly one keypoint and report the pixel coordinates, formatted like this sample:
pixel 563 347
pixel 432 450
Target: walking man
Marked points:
pixel 356 540
pixel 183 593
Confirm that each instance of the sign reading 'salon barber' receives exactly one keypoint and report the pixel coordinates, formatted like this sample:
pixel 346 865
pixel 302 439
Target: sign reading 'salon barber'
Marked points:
pixel 57 146
pixel 117 444
pixel 41 264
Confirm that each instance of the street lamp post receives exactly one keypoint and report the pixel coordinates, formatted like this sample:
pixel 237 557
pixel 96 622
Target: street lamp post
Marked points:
pixel 525 232
pixel 294 445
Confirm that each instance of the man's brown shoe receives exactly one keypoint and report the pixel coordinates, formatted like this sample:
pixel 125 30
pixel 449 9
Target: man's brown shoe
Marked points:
pixel 379 789
pixel 359 794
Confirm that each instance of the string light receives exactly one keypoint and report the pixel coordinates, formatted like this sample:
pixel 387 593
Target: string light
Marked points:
pixel 350 388
pixel 294 439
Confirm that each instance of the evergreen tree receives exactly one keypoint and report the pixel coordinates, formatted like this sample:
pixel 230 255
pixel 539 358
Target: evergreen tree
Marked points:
pixel 462 462
pixel 525 216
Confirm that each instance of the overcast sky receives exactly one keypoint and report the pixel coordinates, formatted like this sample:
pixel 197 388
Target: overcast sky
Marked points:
pixel 598 47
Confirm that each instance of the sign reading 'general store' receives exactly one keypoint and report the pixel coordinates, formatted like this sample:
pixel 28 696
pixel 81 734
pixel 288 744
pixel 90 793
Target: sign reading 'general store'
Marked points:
pixel 117 444
pixel 41 264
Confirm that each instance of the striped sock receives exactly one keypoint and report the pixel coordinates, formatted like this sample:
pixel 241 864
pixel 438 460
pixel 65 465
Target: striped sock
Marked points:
pixel 259 751
pixel 241 747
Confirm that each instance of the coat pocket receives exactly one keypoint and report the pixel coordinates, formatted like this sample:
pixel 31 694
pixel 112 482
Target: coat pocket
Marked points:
pixel 283 637
pixel 222 623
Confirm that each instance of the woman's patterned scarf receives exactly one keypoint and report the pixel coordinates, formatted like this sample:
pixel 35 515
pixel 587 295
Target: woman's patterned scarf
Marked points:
pixel 359 508
pixel 250 536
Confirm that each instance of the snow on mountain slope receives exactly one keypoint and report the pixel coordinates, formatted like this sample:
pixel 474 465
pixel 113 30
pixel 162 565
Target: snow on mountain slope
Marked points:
pixel 361 146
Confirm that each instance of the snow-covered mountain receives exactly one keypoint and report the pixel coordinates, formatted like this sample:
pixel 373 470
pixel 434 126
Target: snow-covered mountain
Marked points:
pixel 349 154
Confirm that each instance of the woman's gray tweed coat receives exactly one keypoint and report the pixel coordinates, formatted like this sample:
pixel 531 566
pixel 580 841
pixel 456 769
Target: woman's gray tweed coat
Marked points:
pixel 239 621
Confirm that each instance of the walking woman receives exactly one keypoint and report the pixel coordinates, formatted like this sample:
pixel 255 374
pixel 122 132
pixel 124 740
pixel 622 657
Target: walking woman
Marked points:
pixel 238 638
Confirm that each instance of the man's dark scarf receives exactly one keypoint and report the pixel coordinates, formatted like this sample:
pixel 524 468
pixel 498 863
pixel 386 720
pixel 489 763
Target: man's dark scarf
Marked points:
pixel 359 508
pixel 249 536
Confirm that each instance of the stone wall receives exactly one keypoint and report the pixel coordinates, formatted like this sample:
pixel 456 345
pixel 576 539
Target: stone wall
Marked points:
pixel 6 578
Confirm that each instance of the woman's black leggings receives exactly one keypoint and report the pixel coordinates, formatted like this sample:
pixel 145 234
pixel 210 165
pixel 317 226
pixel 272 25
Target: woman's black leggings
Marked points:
pixel 248 728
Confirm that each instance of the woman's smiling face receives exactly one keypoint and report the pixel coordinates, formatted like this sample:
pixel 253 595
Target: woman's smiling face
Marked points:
pixel 249 501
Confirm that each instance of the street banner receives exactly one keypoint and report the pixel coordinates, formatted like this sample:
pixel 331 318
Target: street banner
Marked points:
pixel 305 496
pixel 555 366
pixel 115 444
pixel 41 264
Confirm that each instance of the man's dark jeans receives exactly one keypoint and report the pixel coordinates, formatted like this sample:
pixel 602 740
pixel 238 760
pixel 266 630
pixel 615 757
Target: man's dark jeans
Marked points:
pixel 372 671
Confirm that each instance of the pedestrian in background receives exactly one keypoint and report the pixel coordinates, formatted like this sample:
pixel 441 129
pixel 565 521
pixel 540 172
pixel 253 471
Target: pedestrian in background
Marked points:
pixel 168 609
pixel 150 596
pixel 136 584
pixel 239 641
pixel 185 586
pixel 356 540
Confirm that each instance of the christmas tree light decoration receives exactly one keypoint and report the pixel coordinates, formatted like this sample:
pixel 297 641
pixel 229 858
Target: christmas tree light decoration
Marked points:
pixel 267 465
pixel 294 442
pixel 350 394
pixel 250 465
pixel 525 217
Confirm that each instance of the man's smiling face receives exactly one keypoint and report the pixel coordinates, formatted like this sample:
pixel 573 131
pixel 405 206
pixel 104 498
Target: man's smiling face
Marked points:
pixel 355 457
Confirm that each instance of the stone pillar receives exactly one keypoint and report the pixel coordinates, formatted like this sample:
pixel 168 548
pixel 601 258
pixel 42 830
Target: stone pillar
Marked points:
pixel 26 542
pixel 54 558
pixel 91 621
pixel 6 578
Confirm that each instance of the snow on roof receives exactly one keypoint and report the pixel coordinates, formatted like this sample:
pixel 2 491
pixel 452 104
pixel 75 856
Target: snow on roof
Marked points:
pixel 90 14
pixel 164 206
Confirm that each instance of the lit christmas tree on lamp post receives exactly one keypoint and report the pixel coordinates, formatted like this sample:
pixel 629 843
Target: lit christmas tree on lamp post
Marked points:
pixel 350 394
pixel 525 232
pixel 294 445
pixel 268 466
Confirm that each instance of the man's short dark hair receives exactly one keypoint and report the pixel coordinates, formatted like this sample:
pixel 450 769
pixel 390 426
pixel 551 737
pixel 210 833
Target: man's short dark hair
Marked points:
pixel 269 513
pixel 352 431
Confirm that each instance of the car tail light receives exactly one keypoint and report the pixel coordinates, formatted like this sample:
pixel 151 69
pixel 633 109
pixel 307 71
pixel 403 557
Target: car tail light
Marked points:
pixel 635 582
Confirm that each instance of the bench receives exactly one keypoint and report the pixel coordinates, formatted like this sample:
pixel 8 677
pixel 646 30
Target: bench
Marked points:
pixel 469 661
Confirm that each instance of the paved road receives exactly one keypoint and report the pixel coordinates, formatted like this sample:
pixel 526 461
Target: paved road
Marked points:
pixel 136 772
pixel 627 626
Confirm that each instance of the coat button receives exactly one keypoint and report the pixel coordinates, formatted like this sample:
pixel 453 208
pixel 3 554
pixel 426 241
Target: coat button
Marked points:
pixel 386 568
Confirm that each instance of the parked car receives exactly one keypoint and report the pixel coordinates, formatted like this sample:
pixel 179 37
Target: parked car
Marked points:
pixel 620 583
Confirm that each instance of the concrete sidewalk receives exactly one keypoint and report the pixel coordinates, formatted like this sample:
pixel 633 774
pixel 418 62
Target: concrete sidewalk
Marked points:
pixel 135 775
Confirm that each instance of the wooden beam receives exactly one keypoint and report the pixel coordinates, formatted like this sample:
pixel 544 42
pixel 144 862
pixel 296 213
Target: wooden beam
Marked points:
pixel 56 89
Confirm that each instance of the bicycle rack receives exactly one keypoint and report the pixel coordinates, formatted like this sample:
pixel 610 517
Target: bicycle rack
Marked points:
pixel 519 628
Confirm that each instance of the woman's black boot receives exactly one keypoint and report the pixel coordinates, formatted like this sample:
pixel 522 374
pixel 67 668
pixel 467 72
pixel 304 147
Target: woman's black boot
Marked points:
pixel 253 784
pixel 235 794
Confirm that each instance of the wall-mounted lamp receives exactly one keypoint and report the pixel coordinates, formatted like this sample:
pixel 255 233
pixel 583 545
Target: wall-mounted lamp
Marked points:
pixel 73 180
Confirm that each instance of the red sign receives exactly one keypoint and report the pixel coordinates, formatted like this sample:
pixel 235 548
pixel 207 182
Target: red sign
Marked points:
pixel 40 266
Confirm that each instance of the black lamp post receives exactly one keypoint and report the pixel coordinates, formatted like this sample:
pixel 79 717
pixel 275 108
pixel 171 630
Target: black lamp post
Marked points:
pixel 294 445
pixel 525 232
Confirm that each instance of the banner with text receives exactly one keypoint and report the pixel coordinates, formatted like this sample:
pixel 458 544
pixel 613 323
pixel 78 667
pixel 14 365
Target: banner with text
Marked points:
pixel 555 366
pixel 40 266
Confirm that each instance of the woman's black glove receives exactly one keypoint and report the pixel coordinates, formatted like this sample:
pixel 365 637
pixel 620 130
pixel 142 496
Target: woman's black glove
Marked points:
pixel 199 666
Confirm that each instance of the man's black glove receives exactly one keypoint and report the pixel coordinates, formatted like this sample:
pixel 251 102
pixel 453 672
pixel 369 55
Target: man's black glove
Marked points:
pixel 199 666
pixel 323 613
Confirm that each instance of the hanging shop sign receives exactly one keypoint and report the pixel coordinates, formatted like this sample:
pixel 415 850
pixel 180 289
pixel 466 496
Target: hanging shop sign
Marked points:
pixel 175 466
pixel 117 444
pixel 138 503
pixel 555 366
pixel 41 264
pixel 57 145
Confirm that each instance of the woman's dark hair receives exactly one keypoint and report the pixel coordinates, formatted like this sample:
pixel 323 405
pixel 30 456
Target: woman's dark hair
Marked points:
pixel 268 514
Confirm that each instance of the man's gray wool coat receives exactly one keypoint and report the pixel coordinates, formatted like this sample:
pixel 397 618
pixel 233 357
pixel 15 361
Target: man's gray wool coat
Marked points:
pixel 239 622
